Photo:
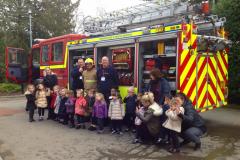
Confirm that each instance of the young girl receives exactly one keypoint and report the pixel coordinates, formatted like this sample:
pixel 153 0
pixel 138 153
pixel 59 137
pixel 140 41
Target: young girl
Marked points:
pixel 138 121
pixel 41 100
pixel 80 109
pixel 70 107
pixel 54 96
pixel 116 113
pixel 30 95
pixel 90 98
pixel 130 101
pixel 57 103
pixel 173 123
pixel 164 136
pixel 62 108
pixel 100 111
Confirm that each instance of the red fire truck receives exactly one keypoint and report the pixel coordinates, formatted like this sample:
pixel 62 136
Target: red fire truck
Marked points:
pixel 23 67
pixel 193 55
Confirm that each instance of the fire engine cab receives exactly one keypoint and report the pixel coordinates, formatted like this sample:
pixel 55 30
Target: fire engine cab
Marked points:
pixel 191 51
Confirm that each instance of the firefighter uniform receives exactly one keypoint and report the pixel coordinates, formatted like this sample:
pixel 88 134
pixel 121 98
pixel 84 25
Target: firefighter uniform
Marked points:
pixel 90 77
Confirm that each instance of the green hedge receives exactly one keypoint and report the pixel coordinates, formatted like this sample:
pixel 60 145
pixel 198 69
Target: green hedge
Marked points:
pixel 9 88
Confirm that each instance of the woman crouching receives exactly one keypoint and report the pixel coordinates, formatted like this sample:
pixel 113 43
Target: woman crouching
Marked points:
pixel 150 126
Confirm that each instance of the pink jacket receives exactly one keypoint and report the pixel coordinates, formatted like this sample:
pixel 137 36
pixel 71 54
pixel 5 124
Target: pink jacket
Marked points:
pixel 80 106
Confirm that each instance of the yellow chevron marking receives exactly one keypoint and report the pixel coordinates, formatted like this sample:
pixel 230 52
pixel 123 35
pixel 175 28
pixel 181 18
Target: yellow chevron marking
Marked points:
pixel 183 55
pixel 212 94
pixel 222 64
pixel 186 69
pixel 190 82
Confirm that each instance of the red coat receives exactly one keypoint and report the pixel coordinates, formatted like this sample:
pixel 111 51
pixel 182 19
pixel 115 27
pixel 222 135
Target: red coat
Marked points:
pixel 80 106
pixel 53 99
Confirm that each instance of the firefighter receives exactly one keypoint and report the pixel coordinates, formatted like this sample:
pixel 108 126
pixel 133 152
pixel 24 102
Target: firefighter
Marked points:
pixel 89 76
pixel 77 77
pixel 107 78
pixel 159 86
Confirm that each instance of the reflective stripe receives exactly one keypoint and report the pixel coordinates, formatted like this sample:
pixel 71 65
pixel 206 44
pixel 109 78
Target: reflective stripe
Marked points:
pixel 90 81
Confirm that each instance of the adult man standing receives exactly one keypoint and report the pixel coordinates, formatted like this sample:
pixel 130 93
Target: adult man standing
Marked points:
pixel 107 78
pixel 89 76
pixel 77 77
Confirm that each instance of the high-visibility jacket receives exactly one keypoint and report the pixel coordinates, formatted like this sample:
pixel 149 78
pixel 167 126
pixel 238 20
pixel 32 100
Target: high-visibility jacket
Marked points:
pixel 90 79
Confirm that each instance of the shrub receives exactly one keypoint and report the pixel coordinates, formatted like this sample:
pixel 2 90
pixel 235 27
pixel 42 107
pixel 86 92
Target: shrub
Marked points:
pixel 9 88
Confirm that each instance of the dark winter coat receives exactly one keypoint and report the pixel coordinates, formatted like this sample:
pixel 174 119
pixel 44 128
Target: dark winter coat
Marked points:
pixel 30 101
pixel 131 103
pixel 90 103
pixel 191 118
pixel 111 79
pixel 77 79
pixel 160 89
pixel 50 81
pixel 62 107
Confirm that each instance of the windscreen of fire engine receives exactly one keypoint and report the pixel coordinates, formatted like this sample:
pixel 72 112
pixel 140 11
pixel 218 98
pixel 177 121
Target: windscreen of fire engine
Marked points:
pixel 36 56
pixel 57 52
pixel 16 56
pixel 45 53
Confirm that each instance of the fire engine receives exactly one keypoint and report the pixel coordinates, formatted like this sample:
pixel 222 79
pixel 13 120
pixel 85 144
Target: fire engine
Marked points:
pixel 191 50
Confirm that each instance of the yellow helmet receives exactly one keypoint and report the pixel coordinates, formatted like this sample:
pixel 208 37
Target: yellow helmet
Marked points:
pixel 89 60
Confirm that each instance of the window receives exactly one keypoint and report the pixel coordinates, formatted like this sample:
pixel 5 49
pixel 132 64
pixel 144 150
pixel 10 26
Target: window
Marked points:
pixel 45 53
pixel 57 52
pixel 16 56
pixel 35 56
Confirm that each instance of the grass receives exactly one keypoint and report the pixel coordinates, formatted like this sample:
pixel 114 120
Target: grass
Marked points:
pixel 9 88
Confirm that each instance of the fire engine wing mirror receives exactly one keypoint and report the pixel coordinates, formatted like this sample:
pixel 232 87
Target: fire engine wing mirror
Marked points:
pixel 16 65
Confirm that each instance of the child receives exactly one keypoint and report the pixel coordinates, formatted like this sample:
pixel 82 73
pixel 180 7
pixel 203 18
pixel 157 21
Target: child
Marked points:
pixel 70 107
pixel 138 121
pixel 80 109
pixel 30 95
pixel 62 114
pixel 116 113
pixel 130 101
pixel 163 136
pixel 54 96
pixel 173 123
pixel 41 100
pixel 57 103
pixel 100 111
pixel 90 98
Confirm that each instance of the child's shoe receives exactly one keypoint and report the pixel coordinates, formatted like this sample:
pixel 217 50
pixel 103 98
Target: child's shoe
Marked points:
pixel 114 131
pixel 100 131
pixel 92 128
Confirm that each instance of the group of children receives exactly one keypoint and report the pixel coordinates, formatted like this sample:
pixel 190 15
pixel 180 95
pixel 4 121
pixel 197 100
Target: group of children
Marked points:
pixel 91 107
pixel 67 109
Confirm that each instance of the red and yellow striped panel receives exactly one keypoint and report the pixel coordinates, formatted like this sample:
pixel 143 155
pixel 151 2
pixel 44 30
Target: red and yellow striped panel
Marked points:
pixel 203 77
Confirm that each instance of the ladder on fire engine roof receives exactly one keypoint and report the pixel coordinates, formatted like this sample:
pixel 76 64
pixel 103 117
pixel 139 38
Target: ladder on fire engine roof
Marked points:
pixel 147 13
pixel 152 12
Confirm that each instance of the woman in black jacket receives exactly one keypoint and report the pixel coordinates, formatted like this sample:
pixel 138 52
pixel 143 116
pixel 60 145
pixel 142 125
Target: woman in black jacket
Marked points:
pixel 159 86
pixel 193 125
pixel 49 81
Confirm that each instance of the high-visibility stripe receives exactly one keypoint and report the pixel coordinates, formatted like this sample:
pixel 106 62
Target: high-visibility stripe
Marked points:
pixel 90 81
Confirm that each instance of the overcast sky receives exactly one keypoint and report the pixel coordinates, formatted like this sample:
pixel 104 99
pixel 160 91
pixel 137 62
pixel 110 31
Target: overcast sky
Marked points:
pixel 91 7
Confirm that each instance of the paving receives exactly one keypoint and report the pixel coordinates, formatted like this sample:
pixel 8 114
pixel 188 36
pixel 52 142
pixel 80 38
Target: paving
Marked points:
pixel 49 140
